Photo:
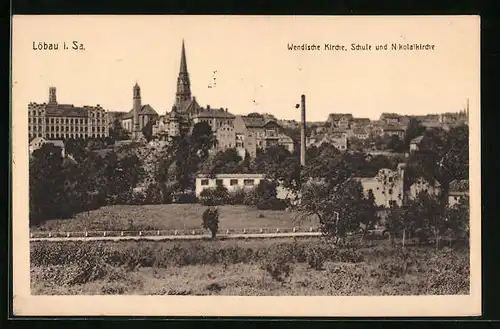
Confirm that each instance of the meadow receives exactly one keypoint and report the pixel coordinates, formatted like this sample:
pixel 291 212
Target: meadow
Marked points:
pixel 173 217
pixel 253 267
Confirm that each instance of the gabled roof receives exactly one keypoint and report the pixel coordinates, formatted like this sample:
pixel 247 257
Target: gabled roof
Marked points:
pixel 417 140
pixel 361 120
pixel 213 113
pixel 393 128
pixel 359 131
pixel 389 116
pixel 145 110
pixel 459 186
pixel 56 142
pixel 338 116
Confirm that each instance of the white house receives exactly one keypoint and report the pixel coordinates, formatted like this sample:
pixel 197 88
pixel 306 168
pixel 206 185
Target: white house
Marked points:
pixel 38 142
pixel 232 182
pixel 458 190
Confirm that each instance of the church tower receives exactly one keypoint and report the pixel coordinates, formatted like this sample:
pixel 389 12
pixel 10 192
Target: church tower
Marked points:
pixel 52 95
pixel 183 85
pixel 136 130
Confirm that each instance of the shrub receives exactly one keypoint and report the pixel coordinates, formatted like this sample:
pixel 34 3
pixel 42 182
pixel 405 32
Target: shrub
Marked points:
pixel 315 258
pixel 237 197
pixel 153 194
pixel 214 196
pixel 211 220
pixel 184 198
pixel 278 267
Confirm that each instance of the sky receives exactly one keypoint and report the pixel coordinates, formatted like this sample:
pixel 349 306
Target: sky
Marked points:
pixel 248 59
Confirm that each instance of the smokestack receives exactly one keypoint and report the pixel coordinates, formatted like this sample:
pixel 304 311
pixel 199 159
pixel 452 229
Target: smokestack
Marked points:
pixel 303 131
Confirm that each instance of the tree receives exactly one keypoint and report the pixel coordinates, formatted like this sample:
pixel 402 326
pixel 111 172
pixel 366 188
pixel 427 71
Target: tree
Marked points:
pixel 413 130
pixel 369 213
pixel 339 207
pixel 202 139
pixel 424 216
pixel 279 166
pixel 147 130
pixel 395 144
pixel 457 219
pixel 210 220
pixel 46 184
pixel 117 132
pixel 225 162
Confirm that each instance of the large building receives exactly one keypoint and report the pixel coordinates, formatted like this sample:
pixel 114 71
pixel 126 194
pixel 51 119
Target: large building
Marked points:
pixel 186 112
pixel 58 121
pixel 138 117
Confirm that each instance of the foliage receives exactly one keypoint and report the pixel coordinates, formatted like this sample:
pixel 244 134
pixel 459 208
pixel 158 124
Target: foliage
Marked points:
pixel 60 188
pixel 214 196
pixel 211 220
pixel 117 132
pixel 279 166
pixel 339 207
pixel 278 267
pixel 147 130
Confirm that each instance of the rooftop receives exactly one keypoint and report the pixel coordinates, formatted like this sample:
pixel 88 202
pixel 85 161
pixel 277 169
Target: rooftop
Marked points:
pixel 458 186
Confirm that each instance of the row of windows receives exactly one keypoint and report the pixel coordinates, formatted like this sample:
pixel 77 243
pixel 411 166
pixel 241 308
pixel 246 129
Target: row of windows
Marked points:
pixel 232 182
pixel 62 121
pixel 64 135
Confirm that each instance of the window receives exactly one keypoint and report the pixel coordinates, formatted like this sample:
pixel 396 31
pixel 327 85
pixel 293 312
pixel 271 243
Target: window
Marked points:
pixel 233 182
pixel 248 182
pixel 218 182
pixel 204 182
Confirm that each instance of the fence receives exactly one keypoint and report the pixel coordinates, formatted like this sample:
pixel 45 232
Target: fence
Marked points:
pixel 182 232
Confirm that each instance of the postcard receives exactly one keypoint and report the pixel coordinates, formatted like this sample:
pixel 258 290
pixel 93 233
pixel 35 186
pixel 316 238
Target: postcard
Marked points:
pixel 246 166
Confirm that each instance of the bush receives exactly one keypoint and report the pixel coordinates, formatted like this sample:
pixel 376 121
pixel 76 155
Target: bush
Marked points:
pixel 315 258
pixel 214 196
pixel 237 197
pixel 153 194
pixel 278 267
pixel 211 220
pixel 184 198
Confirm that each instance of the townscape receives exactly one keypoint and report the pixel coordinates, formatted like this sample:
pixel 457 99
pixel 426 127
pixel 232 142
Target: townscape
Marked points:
pixel 201 201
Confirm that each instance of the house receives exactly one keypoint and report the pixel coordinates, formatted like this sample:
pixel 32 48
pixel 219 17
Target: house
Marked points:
pixel 360 133
pixel 266 132
pixel 286 142
pixel 340 120
pixel 226 137
pixel 458 189
pixel 216 118
pixel 38 142
pixel 390 118
pixel 432 187
pixel 232 182
pixel 337 140
pixel 360 122
pixel 386 186
pixel 415 143
pixel 397 130
pixel 235 182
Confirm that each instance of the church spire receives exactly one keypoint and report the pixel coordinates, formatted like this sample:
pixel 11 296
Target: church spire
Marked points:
pixel 183 84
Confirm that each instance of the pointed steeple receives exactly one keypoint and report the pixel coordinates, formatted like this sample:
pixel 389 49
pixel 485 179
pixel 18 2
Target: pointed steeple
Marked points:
pixel 183 84
pixel 183 68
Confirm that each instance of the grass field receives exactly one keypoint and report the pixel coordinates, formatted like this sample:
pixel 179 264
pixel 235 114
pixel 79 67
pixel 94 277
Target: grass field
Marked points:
pixel 172 217
pixel 242 268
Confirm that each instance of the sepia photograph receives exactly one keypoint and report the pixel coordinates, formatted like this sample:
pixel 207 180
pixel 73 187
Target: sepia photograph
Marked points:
pixel 205 165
